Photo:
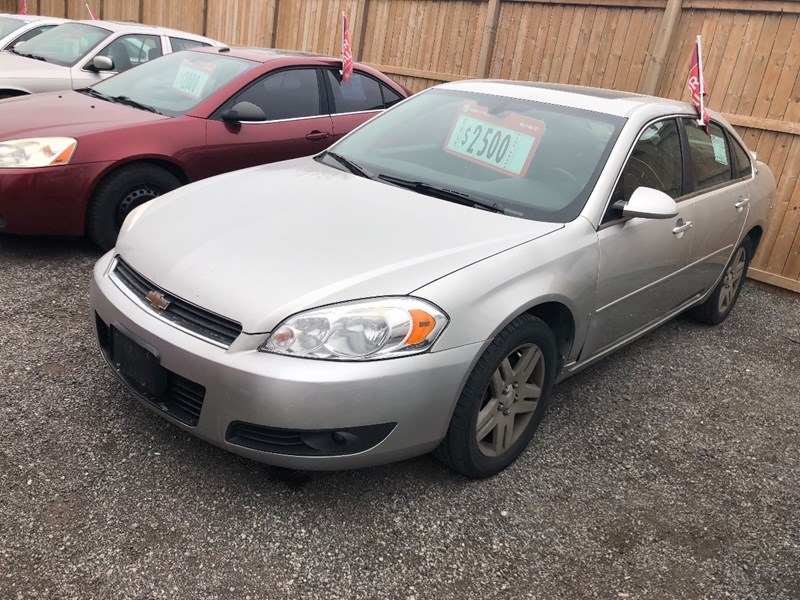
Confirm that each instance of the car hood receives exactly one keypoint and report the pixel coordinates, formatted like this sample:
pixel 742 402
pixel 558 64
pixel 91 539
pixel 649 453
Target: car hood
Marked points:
pixel 20 68
pixel 261 244
pixel 66 113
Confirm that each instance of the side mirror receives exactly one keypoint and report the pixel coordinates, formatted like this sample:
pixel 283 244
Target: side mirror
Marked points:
pixel 102 63
pixel 244 112
pixel 648 203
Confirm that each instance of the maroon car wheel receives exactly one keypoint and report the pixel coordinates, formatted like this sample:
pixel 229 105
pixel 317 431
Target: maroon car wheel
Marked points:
pixel 118 194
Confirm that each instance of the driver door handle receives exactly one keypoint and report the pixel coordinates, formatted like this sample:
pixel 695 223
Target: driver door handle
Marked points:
pixel 683 227
pixel 317 135
pixel 741 204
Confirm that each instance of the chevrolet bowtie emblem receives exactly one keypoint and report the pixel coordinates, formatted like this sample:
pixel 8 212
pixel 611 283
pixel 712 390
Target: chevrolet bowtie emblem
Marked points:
pixel 157 300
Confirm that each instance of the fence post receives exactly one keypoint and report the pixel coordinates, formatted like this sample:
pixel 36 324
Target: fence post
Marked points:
pixel 362 10
pixel 489 33
pixel 669 23
pixel 205 17
pixel 273 34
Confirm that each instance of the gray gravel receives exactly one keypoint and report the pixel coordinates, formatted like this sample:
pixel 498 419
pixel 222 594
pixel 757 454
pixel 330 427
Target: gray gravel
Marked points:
pixel 669 470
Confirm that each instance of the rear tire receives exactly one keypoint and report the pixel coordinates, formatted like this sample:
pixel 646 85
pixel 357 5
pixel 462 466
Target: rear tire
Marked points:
pixel 118 194
pixel 503 400
pixel 721 302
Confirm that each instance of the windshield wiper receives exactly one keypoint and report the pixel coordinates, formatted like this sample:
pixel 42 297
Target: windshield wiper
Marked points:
pixel 128 101
pixel 443 193
pixel 95 94
pixel 23 54
pixel 354 168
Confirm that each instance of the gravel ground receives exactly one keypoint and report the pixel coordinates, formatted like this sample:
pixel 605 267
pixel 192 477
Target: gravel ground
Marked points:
pixel 669 470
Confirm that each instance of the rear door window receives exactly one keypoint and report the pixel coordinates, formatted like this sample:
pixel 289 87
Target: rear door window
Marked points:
pixel 360 93
pixel 709 154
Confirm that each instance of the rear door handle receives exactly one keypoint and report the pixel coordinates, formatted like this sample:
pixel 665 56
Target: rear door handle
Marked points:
pixel 741 204
pixel 682 227
pixel 315 136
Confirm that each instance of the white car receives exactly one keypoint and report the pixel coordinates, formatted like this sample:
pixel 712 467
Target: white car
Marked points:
pixel 78 54
pixel 15 29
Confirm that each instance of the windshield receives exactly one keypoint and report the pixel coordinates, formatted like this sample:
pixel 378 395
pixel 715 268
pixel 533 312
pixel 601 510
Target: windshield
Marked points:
pixel 7 25
pixel 65 44
pixel 176 83
pixel 529 159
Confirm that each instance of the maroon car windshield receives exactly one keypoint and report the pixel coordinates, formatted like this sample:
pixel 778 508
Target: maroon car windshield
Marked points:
pixel 174 84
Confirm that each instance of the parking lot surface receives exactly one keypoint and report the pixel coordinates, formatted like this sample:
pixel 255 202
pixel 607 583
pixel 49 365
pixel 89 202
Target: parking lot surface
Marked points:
pixel 669 470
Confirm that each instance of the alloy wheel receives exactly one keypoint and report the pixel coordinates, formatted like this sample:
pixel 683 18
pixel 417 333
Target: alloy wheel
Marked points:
pixel 732 279
pixel 510 400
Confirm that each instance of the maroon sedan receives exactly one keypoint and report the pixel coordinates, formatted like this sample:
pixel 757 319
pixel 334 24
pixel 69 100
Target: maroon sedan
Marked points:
pixel 78 162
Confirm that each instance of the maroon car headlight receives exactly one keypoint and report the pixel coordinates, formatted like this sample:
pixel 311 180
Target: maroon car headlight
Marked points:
pixel 31 153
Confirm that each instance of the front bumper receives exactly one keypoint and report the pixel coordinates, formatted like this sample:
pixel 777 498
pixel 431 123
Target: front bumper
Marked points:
pixel 401 406
pixel 47 201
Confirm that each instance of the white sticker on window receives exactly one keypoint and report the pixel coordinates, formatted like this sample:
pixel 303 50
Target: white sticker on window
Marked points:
pixel 506 145
pixel 720 151
pixel 192 80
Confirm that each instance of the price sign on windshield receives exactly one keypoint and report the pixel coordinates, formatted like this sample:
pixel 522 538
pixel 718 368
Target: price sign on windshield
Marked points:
pixel 506 145
pixel 191 80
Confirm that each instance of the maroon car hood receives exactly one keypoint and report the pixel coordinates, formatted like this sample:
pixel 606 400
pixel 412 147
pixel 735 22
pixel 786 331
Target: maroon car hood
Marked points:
pixel 66 113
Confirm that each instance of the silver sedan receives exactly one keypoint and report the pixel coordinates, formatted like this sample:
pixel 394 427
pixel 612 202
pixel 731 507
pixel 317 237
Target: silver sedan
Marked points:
pixel 422 284
pixel 77 54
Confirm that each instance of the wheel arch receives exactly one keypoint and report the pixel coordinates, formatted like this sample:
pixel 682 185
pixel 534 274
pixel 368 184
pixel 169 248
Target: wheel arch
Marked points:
pixel 559 318
pixel 12 93
pixel 755 235
pixel 170 166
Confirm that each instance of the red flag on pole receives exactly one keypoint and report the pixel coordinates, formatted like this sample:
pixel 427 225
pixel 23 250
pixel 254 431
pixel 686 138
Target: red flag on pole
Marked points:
pixel 347 51
pixel 91 14
pixel 23 9
pixel 697 83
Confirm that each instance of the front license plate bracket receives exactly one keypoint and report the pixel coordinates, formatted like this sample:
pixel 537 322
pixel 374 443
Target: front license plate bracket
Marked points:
pixel 137 361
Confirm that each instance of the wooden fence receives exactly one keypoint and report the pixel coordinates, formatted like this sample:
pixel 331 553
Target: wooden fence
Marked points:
pixel 751 49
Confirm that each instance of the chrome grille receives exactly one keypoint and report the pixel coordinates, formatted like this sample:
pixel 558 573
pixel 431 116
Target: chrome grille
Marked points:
pixel 206 324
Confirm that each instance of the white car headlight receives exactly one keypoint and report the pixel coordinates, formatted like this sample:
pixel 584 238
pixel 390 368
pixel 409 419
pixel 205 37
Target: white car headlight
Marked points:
pixel 36 152
pixel 361 330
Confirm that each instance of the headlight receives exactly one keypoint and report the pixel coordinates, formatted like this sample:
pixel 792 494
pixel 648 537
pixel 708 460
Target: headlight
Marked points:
pixel 36 152
pixel 362 330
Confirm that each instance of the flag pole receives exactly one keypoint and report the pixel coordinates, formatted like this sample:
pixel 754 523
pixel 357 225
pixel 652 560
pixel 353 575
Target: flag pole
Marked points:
pixel 702 81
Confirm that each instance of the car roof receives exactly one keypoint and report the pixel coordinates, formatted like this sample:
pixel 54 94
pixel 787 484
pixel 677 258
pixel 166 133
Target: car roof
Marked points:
pixel 264 55
pixel 133 27
pixel 613 102
pixel 34 18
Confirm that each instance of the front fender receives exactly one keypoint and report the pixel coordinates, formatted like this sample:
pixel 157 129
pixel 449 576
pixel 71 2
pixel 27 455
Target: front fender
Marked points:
pixel 483 298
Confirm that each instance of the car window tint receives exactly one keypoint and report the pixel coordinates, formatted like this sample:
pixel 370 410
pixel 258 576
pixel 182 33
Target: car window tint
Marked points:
pixel 708 153
pixel 32 33
pixel 179 44
pixel 743 166
pixel 360 93
pixel 131 50
pixel 390 97
pixel 289 94
pixel 655 162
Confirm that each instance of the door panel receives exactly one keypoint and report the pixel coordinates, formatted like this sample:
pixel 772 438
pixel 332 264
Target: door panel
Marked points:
pixel 230 147
pixel 721 212
pixel 642 261
pixel 639 276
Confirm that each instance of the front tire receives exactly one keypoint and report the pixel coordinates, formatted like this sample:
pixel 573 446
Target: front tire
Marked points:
pixel 503 400
pixel 118 194
pixel 721 302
